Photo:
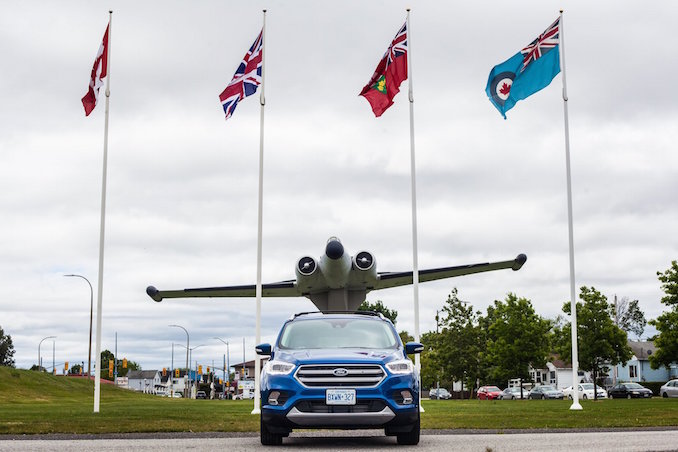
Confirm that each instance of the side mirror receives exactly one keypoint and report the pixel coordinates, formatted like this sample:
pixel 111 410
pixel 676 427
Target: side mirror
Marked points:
pixel 263 349
pixel 413 347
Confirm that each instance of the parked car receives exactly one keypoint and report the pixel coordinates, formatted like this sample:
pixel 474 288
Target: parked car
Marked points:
pixel 176 395
pixel 585 391
pixel 201 395
pixel 545 392
pixel 670 389
pixel 346 371
pixel 244 395
pixel 488 392
pixel 441 393
pixel 629 391
pixel 513 393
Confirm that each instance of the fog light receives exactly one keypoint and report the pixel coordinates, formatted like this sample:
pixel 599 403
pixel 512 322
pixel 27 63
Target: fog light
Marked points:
pixel 407 397
pixel 273 397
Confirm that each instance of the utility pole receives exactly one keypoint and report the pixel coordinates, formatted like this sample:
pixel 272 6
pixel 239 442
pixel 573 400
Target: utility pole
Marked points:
pixel 115 364
pixel 616 322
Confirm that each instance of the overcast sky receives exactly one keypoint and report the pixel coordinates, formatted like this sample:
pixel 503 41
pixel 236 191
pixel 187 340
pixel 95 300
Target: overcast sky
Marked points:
pixel 182 182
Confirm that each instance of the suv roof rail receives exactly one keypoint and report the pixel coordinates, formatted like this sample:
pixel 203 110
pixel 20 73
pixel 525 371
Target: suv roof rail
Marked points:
pixel 369 313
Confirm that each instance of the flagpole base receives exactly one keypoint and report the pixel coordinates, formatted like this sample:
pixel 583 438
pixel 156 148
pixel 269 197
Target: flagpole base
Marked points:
pixel 576 406
pixel 258 411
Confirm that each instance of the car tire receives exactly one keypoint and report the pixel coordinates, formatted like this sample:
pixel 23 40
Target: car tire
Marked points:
pixel 585 397
pixel 410 438
pixel 268 438
pixel 665 395
pixel 628 396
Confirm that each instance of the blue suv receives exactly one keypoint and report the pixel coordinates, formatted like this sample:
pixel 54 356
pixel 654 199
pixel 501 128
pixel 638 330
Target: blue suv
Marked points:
pixel 339 370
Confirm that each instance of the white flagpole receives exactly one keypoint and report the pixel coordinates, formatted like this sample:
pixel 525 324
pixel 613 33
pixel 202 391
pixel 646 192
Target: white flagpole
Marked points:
pixel 97 378
pixel 573 296
pixel 262 101
pixel 415 258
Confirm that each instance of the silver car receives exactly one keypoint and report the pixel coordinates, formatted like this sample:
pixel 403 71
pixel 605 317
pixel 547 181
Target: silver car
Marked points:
pixel 670 389
pixel 545 392
pixel 513 393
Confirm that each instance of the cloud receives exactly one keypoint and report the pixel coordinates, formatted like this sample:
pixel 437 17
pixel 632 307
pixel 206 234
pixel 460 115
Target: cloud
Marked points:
pixel 182 183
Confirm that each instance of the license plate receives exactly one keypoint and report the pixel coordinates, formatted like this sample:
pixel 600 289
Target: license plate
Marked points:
pixel 340 397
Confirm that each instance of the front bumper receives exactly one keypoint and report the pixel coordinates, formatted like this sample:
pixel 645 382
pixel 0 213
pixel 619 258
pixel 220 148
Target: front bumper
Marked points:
pixel 305 407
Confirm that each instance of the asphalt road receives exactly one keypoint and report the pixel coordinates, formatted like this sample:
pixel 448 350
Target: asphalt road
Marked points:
pixel 371 440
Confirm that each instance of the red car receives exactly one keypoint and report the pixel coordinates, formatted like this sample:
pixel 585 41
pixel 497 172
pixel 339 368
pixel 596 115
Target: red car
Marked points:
pixel 488 392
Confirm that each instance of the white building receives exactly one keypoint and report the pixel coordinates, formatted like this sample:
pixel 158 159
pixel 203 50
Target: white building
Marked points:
pixel 143 380
pixel 557 373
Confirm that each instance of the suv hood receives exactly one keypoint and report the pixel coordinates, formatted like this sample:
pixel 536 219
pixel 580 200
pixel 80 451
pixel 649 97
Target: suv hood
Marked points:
pixel 344 356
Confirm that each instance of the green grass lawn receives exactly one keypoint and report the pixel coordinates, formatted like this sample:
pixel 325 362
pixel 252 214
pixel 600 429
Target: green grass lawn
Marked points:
pixel 32 402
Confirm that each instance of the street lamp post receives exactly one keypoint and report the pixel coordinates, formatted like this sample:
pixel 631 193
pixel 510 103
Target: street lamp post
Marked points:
pixel 187 343
pixel 225 369
pixel 39 356
pixel 91 311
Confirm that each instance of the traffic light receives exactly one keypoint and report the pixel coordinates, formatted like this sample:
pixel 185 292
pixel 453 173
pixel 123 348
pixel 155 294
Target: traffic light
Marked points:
pixel 124 363
pixel 208 369
pixel 164 371
pixel 110 367
pixel 66 366
pixel 200 369
pixel 176 373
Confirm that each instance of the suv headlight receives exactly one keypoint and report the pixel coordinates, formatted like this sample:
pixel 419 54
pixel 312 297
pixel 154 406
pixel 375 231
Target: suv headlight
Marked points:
pixel 400 367
pixel 277 367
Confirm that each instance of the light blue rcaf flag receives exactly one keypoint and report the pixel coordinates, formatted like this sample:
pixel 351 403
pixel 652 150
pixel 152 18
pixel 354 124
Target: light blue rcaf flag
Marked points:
pixel 526 72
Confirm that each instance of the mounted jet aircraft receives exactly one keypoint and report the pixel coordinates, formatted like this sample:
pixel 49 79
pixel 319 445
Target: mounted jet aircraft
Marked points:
pixel 337 281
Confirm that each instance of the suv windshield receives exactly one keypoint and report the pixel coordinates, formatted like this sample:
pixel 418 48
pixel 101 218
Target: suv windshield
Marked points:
pixel 338 333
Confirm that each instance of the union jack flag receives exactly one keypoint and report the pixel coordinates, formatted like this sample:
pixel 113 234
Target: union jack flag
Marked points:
pixel 398 47
pixel 246 79
pixel 545 42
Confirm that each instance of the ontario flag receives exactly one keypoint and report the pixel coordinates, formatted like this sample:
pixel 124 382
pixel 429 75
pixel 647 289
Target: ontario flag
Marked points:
pixel 246 79
pixel 390 73
pixel 526 72
pixel 99 72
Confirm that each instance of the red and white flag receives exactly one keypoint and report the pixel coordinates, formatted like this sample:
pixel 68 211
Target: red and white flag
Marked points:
pixel 99 71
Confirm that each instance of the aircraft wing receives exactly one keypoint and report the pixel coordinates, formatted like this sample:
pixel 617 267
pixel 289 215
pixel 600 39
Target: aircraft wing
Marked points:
pixel 395 279
pixel 279 289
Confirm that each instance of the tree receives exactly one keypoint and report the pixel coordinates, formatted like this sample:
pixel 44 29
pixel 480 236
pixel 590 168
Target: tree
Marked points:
pixel 459 345
pixel 76 369
pixel 6 349
pixel 600 342
pixel 667 323
pixel 430 362
pixel 378 306
pixel 405 337
pixel 628 316
pixel 517 339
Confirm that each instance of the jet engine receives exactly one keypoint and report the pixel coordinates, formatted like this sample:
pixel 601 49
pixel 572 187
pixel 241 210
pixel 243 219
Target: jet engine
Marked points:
pixel 307 272
pixel 364 268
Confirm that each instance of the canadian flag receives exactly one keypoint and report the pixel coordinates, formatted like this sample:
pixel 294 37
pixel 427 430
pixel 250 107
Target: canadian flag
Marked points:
pixel 99 71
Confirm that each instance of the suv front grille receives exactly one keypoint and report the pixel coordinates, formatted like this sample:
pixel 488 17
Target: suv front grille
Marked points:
pixel 338 375
pixel 361 406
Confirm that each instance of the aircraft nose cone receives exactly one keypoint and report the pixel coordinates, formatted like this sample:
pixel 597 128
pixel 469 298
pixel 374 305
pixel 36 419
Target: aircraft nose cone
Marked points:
pixel 334 249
